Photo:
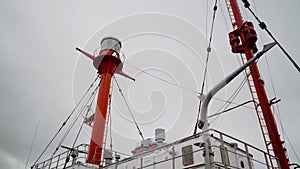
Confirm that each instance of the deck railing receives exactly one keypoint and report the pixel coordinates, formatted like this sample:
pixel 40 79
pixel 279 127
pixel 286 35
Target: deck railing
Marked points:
pixel 255 157
pixel 65 159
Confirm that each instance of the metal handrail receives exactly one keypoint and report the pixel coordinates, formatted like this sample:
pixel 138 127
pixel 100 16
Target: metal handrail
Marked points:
pixel 60 159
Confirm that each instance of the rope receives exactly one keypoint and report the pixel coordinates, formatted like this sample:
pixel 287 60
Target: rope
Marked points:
pixel 206 63
pixel 65 122
pixel 120 90
pixel 263 26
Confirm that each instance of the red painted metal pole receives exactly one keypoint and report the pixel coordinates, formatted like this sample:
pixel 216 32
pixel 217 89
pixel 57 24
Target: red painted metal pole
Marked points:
pixel 107 63
pixel 94 155
pixel 273 133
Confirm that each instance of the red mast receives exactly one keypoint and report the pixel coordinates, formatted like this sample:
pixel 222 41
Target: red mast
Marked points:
pixel 246 34
pixel 107 63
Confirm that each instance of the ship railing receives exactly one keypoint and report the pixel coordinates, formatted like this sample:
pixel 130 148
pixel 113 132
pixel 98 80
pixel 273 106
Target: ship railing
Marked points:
pixel 252 156
pixel 258 157
pixel 65 159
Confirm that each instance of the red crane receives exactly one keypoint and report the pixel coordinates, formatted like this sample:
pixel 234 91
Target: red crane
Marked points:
pixel 242 40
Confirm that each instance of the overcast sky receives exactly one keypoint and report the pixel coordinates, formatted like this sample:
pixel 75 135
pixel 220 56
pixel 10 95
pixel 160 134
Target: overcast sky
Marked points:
pixel 42 76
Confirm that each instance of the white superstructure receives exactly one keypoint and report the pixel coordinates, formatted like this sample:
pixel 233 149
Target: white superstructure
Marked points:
pixel 189 152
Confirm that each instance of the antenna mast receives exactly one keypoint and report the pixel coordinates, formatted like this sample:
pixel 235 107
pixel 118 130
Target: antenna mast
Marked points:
pixel 107 63
pixel 242 40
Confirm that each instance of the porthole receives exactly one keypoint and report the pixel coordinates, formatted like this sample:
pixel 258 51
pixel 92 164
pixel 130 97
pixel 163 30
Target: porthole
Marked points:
pixel 242 164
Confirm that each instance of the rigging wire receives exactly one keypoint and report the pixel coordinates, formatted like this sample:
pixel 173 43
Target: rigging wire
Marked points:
pixel 284 133
pixel 33 140
pixel 227 110
pixel 81 126
pixel 206 62
pixel 263 26
pixel 234 95
pixel 275 110
pixel 293 149
pixel 161 79
pixel 127 105
pixel 110 132
pixel 230 102
pixel 91 100
pixel 224 18
pixel 65 122
pixel 75 120
pixel 206 21
pixel 176 85
pixel 93 95
pixel 255 9
pixel 108 120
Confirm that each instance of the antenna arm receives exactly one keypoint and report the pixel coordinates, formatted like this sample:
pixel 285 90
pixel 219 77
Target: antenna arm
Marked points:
pixel 203 124
pixel 120 72
pixel 86 53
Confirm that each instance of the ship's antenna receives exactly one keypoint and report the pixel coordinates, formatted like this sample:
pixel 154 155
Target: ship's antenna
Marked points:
pixel 263 26
pixel 120 90
pixel 206 63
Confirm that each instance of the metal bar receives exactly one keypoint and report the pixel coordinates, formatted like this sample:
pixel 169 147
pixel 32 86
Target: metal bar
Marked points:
pixel 58 158
pixel 248 157
pixel 50 161
pixel 266 158
pixel 173 157
pixel 223 149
